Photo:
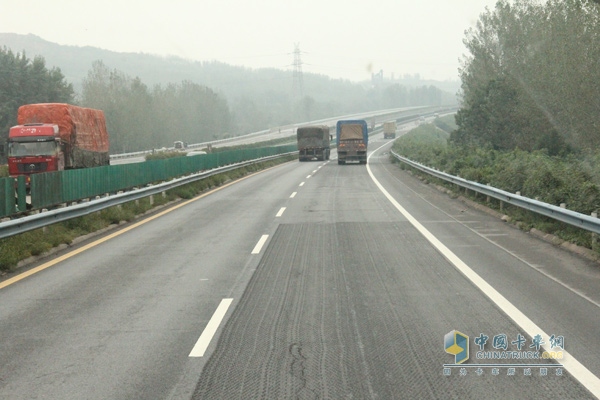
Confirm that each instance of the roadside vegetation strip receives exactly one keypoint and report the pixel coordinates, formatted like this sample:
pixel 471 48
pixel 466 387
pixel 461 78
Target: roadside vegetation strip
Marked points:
pixel 572 180
pixel 272 142
pixel 14 250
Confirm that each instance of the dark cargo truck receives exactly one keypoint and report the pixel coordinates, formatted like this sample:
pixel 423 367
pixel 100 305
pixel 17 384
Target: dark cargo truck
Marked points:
pixel 389 130
pixel 313 143
pixel 352 138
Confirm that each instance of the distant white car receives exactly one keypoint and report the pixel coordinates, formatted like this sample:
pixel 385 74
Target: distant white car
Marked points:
pixel 195 153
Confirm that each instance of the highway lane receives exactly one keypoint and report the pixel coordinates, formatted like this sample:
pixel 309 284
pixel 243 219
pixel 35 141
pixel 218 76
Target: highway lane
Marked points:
pixel 351 301
pixel 345 299
pixel 120 319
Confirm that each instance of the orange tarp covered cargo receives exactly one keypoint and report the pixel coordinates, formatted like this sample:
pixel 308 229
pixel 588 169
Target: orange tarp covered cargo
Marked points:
pixel 84 128
pixel 351 131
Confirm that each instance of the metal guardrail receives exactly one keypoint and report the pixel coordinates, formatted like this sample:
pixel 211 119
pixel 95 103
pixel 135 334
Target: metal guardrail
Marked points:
pixel 36 221
pixel 573 218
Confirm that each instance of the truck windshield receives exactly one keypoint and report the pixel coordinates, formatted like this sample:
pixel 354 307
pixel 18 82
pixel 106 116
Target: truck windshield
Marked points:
pixel 23 149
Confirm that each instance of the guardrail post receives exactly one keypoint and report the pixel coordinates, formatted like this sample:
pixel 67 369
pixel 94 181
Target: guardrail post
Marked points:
pixel 563 205
pixel 594 235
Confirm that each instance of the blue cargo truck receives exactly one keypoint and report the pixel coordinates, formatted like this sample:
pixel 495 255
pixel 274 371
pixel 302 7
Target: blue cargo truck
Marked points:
pixel 352 138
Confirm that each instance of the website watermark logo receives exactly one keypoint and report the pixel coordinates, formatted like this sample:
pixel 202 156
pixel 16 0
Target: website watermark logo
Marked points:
pixel 457 344
pixel 503 355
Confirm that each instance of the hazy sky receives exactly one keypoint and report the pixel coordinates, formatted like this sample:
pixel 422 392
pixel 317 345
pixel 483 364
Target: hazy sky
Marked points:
pixel 341 39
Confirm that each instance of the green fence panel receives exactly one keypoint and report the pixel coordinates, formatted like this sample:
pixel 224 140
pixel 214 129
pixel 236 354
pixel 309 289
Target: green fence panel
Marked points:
pixel 46 189
pixel 7 197
pixel 212 160
pixel 53 188
pixel 120 176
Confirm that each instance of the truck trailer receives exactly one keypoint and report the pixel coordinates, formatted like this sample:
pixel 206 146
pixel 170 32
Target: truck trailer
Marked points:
pixel 352 138
pixel 56 136
pixel 389 130
pixel 313 143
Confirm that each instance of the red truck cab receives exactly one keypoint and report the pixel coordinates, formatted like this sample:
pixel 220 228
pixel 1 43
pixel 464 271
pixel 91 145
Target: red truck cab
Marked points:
pixel 34 148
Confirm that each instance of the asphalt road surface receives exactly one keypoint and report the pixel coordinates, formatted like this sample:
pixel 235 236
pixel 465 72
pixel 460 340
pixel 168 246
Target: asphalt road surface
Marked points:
pixel 306 281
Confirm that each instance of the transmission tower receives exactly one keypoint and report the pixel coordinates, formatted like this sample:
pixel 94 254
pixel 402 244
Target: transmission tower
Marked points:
pixel 297 86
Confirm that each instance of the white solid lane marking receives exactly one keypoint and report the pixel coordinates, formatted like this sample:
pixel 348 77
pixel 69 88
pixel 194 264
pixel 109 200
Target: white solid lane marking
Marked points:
pixel 260 244
pixel 293 195
pixel 575 368
pixel 280 213
pixel 301 184
pixel 210 329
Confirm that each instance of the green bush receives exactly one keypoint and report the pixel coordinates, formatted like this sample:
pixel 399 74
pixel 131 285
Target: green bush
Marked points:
pixel 272 142
pixel 184 192
pixel 11 252
pixel 162 155
pixel 572 179
pixel 116 214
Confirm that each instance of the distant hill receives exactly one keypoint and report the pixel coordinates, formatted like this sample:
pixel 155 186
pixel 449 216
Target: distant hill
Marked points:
pixel 75 61
pixel 233 81
pixel 257 98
